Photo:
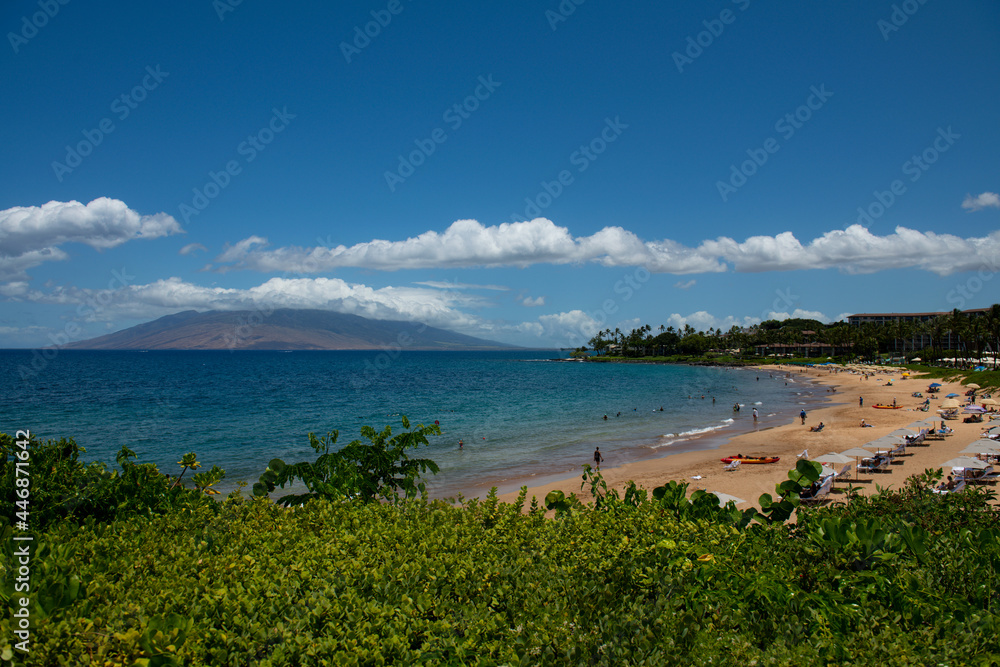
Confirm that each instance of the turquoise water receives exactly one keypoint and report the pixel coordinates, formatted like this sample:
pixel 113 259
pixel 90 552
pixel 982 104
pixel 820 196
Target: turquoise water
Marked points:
pixel 520 415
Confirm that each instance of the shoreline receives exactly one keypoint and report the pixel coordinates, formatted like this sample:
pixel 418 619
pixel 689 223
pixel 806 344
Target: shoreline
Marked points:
pixel 801 392
pixel 842 432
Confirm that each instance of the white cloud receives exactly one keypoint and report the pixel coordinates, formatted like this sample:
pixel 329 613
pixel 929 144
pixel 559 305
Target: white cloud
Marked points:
pixel 31 235
pixel 444 284
pixel 192 247
pixel 981 201
pixel 703 321
pixel 467 243
pixel 534 301
pixel 797 314
pixel 688 284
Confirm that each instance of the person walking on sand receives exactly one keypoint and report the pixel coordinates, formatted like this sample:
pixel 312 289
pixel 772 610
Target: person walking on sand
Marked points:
pixel 597 457
pixel 802 415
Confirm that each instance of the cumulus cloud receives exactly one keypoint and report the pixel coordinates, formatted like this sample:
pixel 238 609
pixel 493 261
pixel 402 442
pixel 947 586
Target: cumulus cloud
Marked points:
pixel 192 247
pixel 981 201
pixel 31 235
pixel 444 284
pixel 799 314
pixel 533 301
pixel 467 243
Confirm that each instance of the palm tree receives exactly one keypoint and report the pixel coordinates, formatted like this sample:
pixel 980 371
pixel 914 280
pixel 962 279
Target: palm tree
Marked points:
pixel 957 323
pixel 992 322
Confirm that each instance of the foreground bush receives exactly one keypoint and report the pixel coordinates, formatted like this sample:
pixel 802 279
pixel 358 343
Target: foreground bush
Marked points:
pixel 252 583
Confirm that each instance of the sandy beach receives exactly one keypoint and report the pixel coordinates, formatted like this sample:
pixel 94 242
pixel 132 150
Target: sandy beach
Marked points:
pixel 842 419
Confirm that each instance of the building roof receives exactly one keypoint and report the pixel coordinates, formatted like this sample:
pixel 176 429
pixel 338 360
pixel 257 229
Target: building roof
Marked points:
pixel 929 314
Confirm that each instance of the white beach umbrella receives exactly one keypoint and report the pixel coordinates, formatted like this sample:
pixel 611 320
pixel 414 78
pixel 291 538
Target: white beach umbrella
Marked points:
pixel 858 454
pixel 837 459
pixel 950 403
pixel 924 423
pixel 982 447
pixel 972 385
pixel 890 440
pixel 988 401
pixel 726 498
pixel 963 462
pixel 903 432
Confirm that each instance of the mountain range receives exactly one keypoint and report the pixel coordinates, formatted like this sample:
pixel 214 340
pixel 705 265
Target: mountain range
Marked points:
pixel 281 329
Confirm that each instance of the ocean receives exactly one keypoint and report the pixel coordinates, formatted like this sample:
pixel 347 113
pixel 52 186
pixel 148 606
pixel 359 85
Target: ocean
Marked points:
pixel 521 416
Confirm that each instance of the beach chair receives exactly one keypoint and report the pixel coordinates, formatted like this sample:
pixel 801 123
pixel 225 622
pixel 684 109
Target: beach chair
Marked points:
pixel 821 493
pixel 803 455
pixel 732 466
pixel 867 466
pixel 845 472
pixel 958 487
pixel 978 475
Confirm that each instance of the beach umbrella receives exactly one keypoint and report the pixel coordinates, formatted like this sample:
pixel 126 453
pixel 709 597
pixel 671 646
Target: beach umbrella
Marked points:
pixel 950 403
pixel 952 395
pixel 982 447
pixel 934 384
pixel 903 433
pixel 972 385
pixel 858 454
pixel 974 409
pixel 964 462
pixel 726 498
pixel 838 459
pixel 923 423
pixel 916 359
pixel 988 401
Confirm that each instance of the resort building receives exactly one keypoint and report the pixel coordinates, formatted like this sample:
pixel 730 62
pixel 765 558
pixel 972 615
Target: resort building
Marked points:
pixel 920 339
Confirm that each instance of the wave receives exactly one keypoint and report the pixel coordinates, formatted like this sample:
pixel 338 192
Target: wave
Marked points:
pixel 671 438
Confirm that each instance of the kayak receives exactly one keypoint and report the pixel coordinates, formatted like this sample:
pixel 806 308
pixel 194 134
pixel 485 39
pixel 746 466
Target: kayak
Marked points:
pixel 751 459
pixel 887 407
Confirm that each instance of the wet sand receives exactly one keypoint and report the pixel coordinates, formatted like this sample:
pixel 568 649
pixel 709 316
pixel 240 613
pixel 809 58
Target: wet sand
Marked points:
pixel 842 431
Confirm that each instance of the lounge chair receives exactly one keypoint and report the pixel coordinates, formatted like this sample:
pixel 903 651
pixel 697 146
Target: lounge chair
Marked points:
pixel 821 493
pixel 977 475
pixel 803 455
pixel 732 466
pixel 845 472
pixel 817 429
pixel 958 487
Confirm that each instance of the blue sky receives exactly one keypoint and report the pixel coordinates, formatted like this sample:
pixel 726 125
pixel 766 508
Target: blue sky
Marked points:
pixel 524 172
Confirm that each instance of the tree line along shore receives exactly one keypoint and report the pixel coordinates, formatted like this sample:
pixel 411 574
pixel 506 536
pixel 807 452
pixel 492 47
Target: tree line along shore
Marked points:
pixel 959 337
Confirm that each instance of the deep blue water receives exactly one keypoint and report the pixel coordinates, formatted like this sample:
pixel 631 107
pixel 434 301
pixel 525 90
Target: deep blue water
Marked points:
pixel 520 415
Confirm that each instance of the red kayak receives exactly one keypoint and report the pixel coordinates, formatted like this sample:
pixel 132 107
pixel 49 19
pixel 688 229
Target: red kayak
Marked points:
pixel 751 459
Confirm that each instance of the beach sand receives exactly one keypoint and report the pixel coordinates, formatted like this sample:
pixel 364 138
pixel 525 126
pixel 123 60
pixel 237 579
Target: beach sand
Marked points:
pixel 842 418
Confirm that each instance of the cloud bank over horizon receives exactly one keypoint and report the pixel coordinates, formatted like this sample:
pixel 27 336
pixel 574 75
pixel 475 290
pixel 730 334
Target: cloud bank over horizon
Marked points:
pixel 469 244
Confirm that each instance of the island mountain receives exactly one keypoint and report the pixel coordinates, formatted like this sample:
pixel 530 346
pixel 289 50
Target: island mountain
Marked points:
pixel 282 329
